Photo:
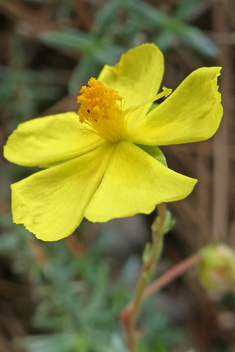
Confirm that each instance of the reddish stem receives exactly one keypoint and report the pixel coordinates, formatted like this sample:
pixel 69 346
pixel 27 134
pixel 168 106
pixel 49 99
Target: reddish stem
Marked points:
pixel 171 274
pixel 162 281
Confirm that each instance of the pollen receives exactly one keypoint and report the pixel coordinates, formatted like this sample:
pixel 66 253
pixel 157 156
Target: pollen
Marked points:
pixel 101 110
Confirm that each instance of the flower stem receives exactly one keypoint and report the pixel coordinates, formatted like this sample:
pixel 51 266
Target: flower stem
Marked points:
pixel 130 312
pixel 171 274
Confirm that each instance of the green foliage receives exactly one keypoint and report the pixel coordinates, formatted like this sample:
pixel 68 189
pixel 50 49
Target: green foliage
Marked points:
pixel 78 302
pixel 185 7
pixel 23 90
pixel 99 48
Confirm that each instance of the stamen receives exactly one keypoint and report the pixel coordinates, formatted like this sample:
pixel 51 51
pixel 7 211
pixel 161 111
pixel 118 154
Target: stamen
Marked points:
pixel 101 110
pixel 164 93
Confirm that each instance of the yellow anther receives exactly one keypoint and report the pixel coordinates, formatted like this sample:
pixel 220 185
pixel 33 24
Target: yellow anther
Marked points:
pixel 100 108
pixel 97 101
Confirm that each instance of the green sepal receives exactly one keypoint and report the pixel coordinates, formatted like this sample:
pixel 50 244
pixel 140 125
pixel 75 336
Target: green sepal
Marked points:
pixel 155 152
pixel 147 252
pixel 168 224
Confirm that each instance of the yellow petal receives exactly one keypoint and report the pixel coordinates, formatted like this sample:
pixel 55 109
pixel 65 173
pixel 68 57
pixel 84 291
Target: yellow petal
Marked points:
pixel 136 77
pixel 49 140
pixel 192 113
pixel 134 182
pixel 51 202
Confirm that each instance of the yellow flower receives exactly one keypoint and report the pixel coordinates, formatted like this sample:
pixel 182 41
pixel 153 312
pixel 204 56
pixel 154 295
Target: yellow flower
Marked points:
pixel 105 163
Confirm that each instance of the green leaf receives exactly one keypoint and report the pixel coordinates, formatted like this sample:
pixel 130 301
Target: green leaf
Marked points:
pixel 175 26
pixel 69 38
pixel 104 18
pixel 163 40
pixel 9 243
pixel 108 54
pixel 147 13
pixel 147 252
pixel 117 344
pixel 60 342
pixel 168 224
pixel 184 8
pixel 194 38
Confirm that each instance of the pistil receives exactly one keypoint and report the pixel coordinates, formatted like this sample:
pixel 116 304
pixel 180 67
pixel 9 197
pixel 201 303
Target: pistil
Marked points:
pixel 101 110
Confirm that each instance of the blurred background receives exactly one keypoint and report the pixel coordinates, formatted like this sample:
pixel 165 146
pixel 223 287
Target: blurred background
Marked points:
pixel 67 296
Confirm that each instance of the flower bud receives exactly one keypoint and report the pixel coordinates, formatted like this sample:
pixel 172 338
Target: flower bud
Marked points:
pixel 216 271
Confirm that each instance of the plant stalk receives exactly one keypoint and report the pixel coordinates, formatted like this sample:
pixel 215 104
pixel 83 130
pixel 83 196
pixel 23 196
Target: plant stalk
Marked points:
pixel 130 313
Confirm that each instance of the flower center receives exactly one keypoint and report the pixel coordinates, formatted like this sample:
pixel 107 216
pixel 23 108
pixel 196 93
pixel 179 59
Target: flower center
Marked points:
pixel 101 110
